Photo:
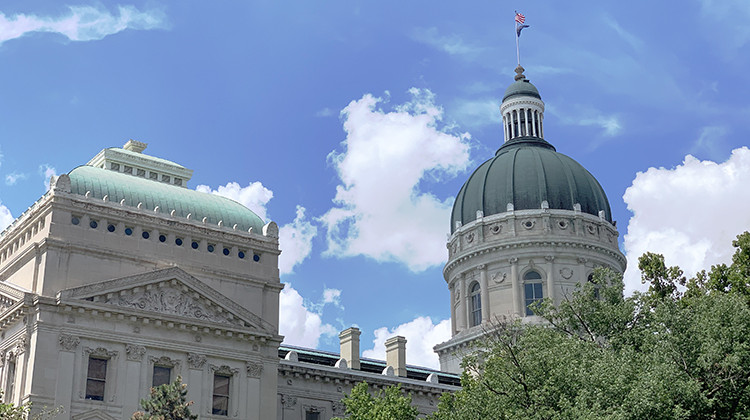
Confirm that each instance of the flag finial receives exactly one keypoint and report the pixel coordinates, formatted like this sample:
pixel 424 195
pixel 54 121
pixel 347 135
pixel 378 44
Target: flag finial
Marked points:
pixel 519 73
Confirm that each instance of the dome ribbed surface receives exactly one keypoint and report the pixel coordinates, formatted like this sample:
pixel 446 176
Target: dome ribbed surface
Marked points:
pixel 521 87
pixel 118 186
pixel 525 172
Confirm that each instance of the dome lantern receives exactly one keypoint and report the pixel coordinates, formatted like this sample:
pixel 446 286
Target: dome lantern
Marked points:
pixel 522 109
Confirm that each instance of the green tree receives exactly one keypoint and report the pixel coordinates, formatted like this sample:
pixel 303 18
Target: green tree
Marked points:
pixel 681 350
pixel 167 402
pixel 388 404
pixel 10 411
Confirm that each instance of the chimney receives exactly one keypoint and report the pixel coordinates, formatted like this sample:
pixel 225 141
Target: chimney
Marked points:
pixel 395 354
pixel 349 340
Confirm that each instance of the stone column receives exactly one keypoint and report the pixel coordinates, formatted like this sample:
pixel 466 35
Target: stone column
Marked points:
pixel 453 307
pixel 550 278
pixel 461 311
pixel 467 301
pixel 485 292
pixel 133 365
pixel 65 373
pixel 515 286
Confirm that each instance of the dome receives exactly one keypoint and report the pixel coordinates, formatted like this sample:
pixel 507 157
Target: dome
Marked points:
pixel 521 87
pixel 524 172
pixel 119 186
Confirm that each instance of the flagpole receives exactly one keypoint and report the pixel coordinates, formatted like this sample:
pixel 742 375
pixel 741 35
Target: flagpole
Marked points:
pixel 518 50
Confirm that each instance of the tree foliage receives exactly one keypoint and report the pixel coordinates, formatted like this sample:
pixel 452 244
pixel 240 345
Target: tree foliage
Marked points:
pixel 10 411
pixel 388 404
pixel 681 350
pixel 167 402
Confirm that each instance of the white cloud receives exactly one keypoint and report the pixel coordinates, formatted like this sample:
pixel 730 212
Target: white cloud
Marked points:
pixel 5 217
pixel 478 113
pixel 729 16
pixel 710 140
pixel 332 296
pixel 379 210
pixel 255 196
pixel 295 241
pixel 451 44
pixel 299 325
pixel 690 213
pixel 421 336
pixel 325 112
pixel 81 23
pixel 47 172
pixel 14 177
pixel 586 117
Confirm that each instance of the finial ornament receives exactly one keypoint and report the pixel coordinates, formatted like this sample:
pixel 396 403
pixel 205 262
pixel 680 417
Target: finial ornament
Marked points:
pixel 519 73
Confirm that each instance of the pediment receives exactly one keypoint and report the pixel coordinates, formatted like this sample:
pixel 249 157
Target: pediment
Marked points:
pixel 93 415
pixel 9 296
pixel 171 293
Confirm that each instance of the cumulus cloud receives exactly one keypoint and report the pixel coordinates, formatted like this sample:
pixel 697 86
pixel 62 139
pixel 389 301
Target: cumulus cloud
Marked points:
pixel 6 218
pixel 14 177
pixel 47 171
pixel 690 213
pixel 379 210
pixel 300 324
pixel 295 241
pixel 421 336
pixel 81 23
pixel 254 196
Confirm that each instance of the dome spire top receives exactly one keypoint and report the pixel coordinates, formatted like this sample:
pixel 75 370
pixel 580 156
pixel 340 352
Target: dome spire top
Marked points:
pixel 519 73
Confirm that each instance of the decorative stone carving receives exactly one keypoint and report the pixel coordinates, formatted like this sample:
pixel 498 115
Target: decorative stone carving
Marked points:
pixel 528 224
pixel 196 361
pixel 549 258
pixel 134 353
pixel 563 224
pixel 496 229
pixel 69 342
pixel 253 369
pixel 470 237
pixel 99 351
pixel 172 302
pixel 499 277
pixel 566 273
pixel 591 229
pixel 338 408
pixel 288 401
pixel 21 345
pixel 164 361
pixel 582 260
pixel 481 267
pixel 224 370
pixel 513 260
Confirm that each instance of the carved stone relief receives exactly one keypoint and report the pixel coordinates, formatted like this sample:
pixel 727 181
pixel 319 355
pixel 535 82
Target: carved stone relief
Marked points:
pixel 172 302
pixel 566 273
pixel 134 353
pixel 253 369
pixel 68 342
pixel 499 277
pixel 496 229
pixel 288 401
pixel 196 361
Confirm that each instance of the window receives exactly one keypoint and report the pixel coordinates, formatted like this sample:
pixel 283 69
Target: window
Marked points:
pixel 145 234
pixel 10 381
pixel 94 224
pixel 162 375
pixel 178 181
pixel 256 258
pixel 141 173
pixel 312 414
pixel 114 166
pixel 194 245
pixel 128 231
pixel 211 247
pixel 221 395
pixel 178 241
pixel 476 304
pixel 226 251
pixel 532 290
pixel 162 238
pixel 153 175
pixel 127 169
pixel 75 220
pixel 96 379
pixel 166 178
pixel 241 255
pixel 111 228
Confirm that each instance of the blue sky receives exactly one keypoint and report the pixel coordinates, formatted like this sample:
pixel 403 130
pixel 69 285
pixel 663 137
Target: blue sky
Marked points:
pixel 353 124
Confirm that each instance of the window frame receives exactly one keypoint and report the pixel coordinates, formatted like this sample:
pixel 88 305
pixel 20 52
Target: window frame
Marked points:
pixel 89 378
pixel 532 281
pixel 475 302
pixel 226 397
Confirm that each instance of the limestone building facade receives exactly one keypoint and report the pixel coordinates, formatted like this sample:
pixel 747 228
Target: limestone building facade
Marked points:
pixel 529 223
pixel 120 278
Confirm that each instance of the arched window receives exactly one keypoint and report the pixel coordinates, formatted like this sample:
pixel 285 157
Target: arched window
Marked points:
pixel 532 289
pixel 476 304
pixel 590 279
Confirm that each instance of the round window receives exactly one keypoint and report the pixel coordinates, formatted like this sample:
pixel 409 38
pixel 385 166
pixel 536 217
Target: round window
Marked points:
pixel 93 224
pixel 74 220
pixel 128 231
pixel 178 241
pixel 162 238
pixel 111 228
pixel 145 235
pixel 241 255
pixel 256 257
pixel 226 251
pixel 194 245
pixel 210 248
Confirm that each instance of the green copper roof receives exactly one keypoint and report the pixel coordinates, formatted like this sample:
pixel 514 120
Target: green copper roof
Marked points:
pixel 525 172
pixel 118 186
pixel 521 87
pixel 144 156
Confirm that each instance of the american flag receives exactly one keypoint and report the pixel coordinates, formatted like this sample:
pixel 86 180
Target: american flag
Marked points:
pixel 520 18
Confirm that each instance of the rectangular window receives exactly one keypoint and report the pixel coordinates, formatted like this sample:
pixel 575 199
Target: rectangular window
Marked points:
pixel 142 173
pixel 96 378
pixel 10 381
pixel 178 181
pixel 221 395
pixel 127 169
pixel 162 376
pixel 312 415
pixel 533 292
pixel 153 175
pixel 114 166
pixel 166 178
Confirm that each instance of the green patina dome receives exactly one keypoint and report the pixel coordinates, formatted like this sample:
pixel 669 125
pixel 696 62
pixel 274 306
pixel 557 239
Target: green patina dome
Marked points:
pixel 521 87
pixel 526 171
pixel 118 186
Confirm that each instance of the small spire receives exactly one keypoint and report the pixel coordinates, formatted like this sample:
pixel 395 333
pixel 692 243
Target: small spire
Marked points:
pixel 519 73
